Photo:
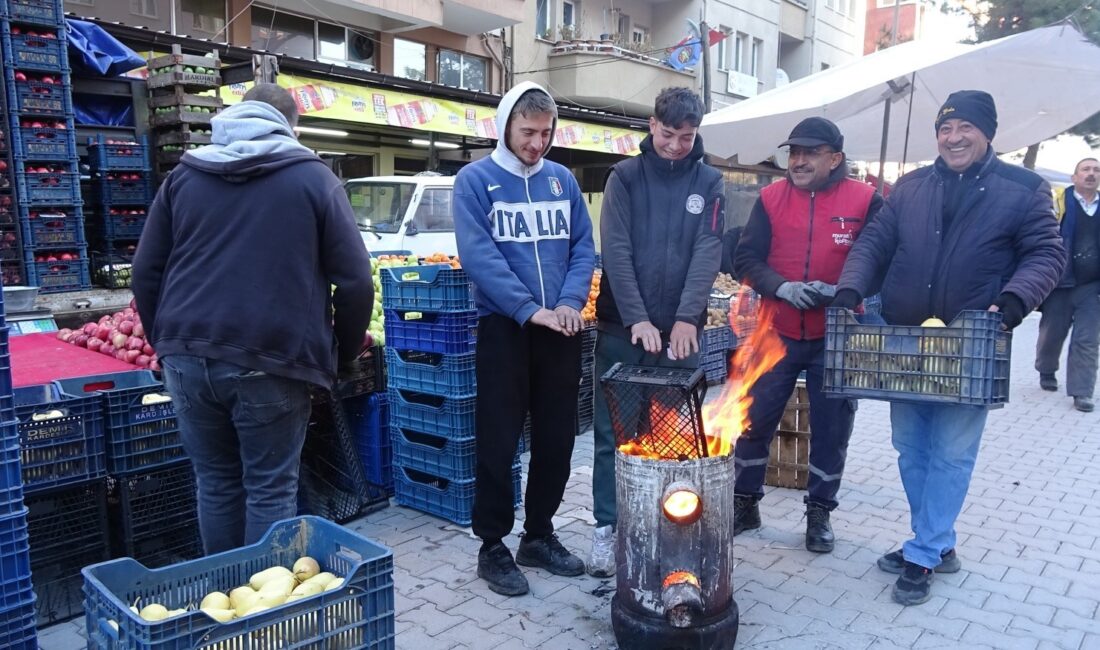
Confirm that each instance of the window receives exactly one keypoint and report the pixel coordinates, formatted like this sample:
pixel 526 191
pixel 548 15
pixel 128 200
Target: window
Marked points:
pixel 380 207
pixel 462 70
pixel 542 19
pixel 147 8
pixel 640 35
pixel 724 49
pixel 331 42
pixel 622 26
pixel 434 212
pixel 738 52
pixel 86 3
pixel 824 67
pixel 757 51
pixel 285 33
pixel 830 4
pixel 409 59
pixel 206 16
pixel 568 13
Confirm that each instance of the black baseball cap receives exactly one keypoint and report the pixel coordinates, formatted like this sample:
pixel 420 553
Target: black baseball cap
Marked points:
pixel 815 131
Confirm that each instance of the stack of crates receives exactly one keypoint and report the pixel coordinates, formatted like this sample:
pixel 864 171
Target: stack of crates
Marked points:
pixel 367 408
pixel 11 250
pixel 123 180
pixel 714 353
pixel 42 141
pixel 586 396
pixel 181 105
pixel 17 611
pixel 431 335
pixel 151 500
pixel 64 471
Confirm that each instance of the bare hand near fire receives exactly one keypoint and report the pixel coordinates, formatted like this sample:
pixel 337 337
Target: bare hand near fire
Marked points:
pixel 648 335
pixel 683 342
pixel 546 318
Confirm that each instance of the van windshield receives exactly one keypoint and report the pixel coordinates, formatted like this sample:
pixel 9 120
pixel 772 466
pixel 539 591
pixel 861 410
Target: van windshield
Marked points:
pixel 380 207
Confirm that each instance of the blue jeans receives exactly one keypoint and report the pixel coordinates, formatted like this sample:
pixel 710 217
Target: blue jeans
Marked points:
pixel 243 430
pixel 937 446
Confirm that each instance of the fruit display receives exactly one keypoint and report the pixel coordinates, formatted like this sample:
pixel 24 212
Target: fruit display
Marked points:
pixel 725 285
pixel 588 314
pixel 376 330
pixel 265 590
pixel 120 335
pixel 442 258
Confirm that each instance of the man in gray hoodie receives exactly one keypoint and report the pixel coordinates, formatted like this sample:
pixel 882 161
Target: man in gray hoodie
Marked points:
pixel 660 229
pixel 233 279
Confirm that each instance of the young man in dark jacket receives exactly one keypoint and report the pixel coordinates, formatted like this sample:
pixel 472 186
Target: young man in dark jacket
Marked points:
pixel 660 231
pixel 525 237
pixel 968 232
pixel 232 280
pixel 791 252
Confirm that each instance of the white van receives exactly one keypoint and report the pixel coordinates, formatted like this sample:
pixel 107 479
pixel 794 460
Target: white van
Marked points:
pixel 405 213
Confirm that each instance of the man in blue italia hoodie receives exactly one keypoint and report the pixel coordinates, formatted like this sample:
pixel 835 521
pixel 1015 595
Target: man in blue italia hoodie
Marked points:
pixel 525 239
pixel 232 280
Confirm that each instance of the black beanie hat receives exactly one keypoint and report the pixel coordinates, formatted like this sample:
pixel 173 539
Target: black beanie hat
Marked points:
pixel 974 106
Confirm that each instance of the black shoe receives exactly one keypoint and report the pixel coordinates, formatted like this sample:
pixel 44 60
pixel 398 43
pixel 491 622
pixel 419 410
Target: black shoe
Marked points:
pixel 548 553
pixel 1047 381
pixel 895 562
pixel 746 514
pixel 819 534
pixel 495 566
pixel 914 585
pixel 1083 404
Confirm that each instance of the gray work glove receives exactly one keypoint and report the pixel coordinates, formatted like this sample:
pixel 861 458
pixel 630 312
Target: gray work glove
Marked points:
pixel 798 294
pixel 825 290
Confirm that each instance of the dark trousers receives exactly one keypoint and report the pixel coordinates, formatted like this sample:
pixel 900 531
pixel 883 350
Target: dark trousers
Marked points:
pixel 831 423
pixel 1079 308
pixel 521 369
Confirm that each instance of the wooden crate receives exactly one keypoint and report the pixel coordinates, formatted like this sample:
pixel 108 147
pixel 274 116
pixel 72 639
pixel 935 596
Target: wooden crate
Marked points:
pixel 789 460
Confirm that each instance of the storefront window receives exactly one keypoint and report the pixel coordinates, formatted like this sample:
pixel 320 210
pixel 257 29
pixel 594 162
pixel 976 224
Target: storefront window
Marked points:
pixel 204 18
pixel 462 70
pixel 146 8
pixel 275 31
pixel 331 42
pixel 409 59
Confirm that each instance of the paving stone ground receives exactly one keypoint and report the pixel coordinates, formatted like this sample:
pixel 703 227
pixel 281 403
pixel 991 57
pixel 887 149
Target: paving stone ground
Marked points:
pixel 1027 539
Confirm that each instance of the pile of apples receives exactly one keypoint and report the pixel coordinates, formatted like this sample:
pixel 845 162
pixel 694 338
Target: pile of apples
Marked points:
pixel 57 256
pixel 37 124
pixel 125 176
pixel 119 335
pixel 52 170
pixel 123 143
pixel 16 31
pixel 47 79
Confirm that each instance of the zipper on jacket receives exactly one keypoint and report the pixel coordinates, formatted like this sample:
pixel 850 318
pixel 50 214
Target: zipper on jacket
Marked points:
pixel 806 268
pixel 538 262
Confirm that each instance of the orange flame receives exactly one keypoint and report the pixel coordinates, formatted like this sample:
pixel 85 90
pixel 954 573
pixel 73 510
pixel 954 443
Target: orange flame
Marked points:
pixel 680 577
pixel 662 418
pixel 725 417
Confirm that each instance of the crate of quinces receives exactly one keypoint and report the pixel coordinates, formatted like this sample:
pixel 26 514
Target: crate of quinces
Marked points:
pixel 307 583
pixel 964 362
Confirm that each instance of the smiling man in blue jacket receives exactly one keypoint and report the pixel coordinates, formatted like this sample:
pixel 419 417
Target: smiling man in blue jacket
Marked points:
pixel 525 239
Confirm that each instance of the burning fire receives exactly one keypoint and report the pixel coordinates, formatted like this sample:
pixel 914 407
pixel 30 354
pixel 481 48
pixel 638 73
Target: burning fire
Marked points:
pixel 725 417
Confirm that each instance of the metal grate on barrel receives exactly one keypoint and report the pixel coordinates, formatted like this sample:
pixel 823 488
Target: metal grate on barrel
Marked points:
pixel 656 412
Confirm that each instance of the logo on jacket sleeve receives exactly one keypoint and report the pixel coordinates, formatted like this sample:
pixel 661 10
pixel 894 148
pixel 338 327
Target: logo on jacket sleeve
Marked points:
pixel 695 204
pixel 555 186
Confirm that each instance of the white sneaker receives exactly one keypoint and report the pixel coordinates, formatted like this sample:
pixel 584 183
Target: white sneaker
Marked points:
pixel 601 562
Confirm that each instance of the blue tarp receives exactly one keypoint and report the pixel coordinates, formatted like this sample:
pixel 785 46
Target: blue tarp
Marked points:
pixel 94 52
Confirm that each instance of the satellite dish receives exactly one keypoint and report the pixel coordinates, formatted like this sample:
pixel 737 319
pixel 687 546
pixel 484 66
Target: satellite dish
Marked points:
pixel 362 47
pixel 781 77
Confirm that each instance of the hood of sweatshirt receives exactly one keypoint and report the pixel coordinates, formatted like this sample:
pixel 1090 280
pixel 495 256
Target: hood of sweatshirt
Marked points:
pixel 502 155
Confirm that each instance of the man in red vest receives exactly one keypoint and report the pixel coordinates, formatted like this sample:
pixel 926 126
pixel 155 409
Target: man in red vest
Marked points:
pixel 791 253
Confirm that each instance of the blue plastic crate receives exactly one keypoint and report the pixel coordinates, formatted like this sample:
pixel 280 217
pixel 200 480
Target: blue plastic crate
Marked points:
pixel 434 287
pixel 966 362
pixel 123 222
pixel 53 229
pixel 17 625
pixel 117 154
pixel 440 332
pixel 716 339
pixel 444 456
pixel 61 439
pixel 45 142
pixel 11 483
pixel 26 52
pixel 140 436
pixel 145 505
pixel 433 373
pixel 38 97
pixel 68 520
pixel 39 12
pixel 59 276
pixel 359 615
pixel 442 497
pixel 55 187
pixel 445 416
pixel 368 375
pixel 120 188
pixel 58 585
pixel 368 419
pixel 15 559
pixel 7 401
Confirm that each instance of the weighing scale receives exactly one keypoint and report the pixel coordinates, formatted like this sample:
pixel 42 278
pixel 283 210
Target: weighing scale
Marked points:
pixel 34 321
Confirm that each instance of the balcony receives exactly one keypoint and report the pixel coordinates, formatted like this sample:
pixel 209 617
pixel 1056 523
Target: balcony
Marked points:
pixel 792 20
pixel 467 17
pixel 603 76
